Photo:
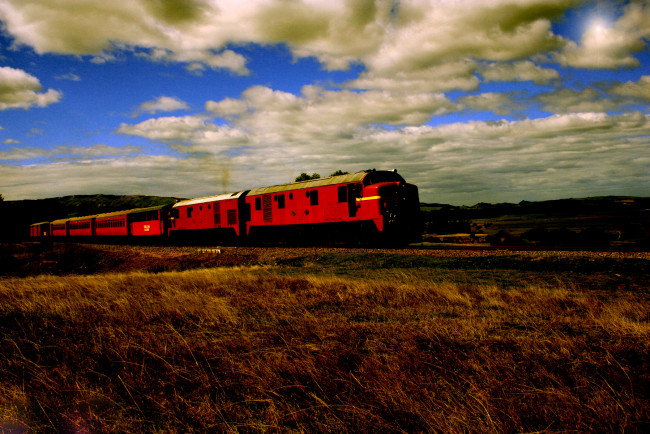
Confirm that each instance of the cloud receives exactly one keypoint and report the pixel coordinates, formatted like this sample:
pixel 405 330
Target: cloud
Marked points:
pixel 163 104
pixel 605 47
pixel 518 71
pixel 70 76
pixel 273 134
pixel 10 141
pixel 67 152
pixel 639 90
pixel 325 113
pixel 611 97
pixel 498 103
pixel 197 60
pixel 455 75
pixel 384 35
pixel 566 155
pixel 188 134
pixel 429 33
pixel 576 101
pixel 19 89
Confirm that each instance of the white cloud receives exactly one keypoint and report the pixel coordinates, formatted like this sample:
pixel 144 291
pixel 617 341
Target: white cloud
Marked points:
pixel 455 75
pixel 19 89
pixel 518 71
pixel 635 90
pixel 559 156
pixel 498 103
pixel 325 113
pixel 70 76
pixel 163 104
pixel 427 33
pixel 197 60
pixel 67 152
pixel 572 101
pixel 384 35
pixel 611 47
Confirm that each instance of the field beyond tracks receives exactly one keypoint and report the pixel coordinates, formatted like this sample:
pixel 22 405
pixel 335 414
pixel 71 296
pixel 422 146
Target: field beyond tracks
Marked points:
pixel 117 338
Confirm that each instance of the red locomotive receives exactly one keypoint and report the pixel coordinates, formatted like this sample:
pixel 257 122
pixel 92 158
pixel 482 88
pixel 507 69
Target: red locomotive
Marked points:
pixel 369 205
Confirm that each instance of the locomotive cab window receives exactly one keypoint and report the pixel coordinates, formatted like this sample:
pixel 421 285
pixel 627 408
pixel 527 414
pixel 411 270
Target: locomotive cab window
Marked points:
pixel 313 198
pixel 281 202
pixel 258 204
pixel 189 211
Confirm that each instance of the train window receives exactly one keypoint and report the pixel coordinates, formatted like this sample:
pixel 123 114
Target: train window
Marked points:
pixel 343 194
pixel 189 211
pixel 290 196
pixel 280 199
pixel 200 207
pixel 175 213
pixel 313 198
pixel 209 206
pixel 307 193
pixel 258 204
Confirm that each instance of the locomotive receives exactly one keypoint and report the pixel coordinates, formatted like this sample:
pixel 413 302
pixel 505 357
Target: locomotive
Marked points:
pixel 372 205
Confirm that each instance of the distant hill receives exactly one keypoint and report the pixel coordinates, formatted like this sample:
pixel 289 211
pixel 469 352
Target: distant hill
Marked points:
pixel 603 221
pixel 16 216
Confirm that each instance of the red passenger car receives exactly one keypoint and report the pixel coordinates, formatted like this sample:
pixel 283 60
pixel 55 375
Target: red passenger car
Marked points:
pixel 112 224
pixel 217 216
pixel 150 221
pixel 60 228
pixel 81 226
pixel 39 230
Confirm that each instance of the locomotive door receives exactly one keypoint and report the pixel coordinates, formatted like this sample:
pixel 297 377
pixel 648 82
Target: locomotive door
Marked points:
pixel 352 200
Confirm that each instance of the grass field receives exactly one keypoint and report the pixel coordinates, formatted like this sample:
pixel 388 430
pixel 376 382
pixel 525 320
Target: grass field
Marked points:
pixel 162 339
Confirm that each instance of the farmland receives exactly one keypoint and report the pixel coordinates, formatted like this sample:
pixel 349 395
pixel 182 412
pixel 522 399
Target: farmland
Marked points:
pixel 145 338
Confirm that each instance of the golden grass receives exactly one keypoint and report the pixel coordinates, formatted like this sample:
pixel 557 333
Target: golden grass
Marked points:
pixel 247 349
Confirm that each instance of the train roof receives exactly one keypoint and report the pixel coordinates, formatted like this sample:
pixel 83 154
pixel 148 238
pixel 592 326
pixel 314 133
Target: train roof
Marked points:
pixel 332 180
pixel 206 199
pixel 129 211
pixel 107 214
pixel 40 223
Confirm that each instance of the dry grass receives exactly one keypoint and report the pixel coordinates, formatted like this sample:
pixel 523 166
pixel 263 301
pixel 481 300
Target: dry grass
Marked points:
pixel 248 349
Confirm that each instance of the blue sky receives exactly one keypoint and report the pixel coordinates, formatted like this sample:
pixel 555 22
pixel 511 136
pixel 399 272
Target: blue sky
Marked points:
pixel 473 101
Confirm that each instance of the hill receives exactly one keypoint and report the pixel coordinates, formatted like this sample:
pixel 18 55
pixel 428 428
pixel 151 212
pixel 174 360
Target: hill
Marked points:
pixel 609 220
pixel 16 216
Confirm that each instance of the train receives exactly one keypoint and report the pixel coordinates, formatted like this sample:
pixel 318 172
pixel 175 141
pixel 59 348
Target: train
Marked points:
pixel 371 205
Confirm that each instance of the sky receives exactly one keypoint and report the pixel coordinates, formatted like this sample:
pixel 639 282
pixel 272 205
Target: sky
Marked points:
pixel 471 100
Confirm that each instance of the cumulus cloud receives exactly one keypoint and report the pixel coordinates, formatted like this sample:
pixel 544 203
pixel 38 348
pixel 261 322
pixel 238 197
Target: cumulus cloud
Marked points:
pixel 518 71
pixel 636 90
pixel 558 156
pixel 67 152
pixel 270 133
pixel 456 75
pixel 163 104
pixel 318 112
pixel 611 47
pixel 384 35
pixel 19 89
pixel 499 103
pixel 572 100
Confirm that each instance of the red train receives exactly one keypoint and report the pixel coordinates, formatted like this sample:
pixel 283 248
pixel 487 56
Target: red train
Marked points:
pixel 364 206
